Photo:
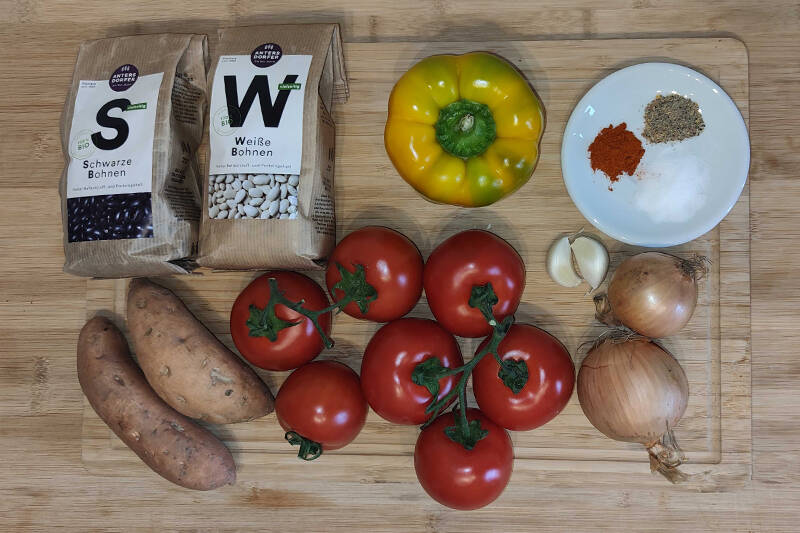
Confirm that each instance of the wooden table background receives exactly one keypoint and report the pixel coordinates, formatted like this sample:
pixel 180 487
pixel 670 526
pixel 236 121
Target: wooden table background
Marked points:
pixel 43 483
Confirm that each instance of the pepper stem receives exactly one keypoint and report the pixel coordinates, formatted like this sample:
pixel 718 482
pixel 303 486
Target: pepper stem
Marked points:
pixel 466 123
pixel 465 128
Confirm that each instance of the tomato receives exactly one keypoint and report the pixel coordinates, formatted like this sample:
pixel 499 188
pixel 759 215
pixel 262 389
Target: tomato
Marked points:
pixel 390 358
pixel 295 345
pixel 393 266
pixel 322 401
pixel 460 478
pixel 551 378
pixel 469 258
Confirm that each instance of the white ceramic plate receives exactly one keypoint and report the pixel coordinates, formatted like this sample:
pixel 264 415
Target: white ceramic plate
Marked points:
pixel 722 149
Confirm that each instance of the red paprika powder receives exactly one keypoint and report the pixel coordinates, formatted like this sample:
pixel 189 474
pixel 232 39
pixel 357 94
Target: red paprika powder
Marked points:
pixel 615 150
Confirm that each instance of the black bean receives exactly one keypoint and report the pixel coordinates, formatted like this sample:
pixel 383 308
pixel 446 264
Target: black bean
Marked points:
pixel 112 216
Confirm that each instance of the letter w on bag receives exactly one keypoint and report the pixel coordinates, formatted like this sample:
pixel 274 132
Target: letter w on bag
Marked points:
pixel 270 113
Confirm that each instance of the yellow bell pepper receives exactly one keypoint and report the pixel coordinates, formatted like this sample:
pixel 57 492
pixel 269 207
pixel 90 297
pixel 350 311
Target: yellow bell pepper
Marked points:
pixel 464 129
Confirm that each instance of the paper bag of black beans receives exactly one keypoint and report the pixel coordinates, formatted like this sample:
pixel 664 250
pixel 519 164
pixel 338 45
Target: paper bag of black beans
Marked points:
pixel 132 122
pixel 268 193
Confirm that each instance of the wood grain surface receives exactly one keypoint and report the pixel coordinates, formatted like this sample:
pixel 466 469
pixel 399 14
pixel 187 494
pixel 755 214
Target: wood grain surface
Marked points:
pixel 44 483
pixel 714 432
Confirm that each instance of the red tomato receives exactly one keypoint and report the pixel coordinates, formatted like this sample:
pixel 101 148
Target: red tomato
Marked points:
pixel 393 267
pixel 551 377
pixel 460 478
pixel 390 358
pixel 322 401
pixel 469 258
pixel 295 345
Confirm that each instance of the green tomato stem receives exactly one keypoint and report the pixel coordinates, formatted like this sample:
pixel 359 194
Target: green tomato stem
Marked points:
pixel 428 373
pixel 263 322
pixel 309 449
pixel 276 297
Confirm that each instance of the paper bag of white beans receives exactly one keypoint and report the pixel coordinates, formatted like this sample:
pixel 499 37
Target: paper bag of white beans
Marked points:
pixel 132 122
pixel 268 199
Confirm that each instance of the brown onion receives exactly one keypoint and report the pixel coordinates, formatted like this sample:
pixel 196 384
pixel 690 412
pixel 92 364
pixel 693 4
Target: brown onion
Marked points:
pixel 633 390
pixel 652 293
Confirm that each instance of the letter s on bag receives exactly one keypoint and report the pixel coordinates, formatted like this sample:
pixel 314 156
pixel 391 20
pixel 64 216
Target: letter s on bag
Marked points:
pixel 116 123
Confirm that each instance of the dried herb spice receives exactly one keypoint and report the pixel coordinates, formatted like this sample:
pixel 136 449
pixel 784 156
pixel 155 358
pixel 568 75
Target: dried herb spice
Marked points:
pixel 672 118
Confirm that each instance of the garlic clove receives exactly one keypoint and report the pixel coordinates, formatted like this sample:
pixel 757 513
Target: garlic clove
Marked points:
pixel 559 264
pixel 591 258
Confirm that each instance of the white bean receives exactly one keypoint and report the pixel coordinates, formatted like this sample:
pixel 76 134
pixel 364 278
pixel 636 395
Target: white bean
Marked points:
pixel 220 178
pixel 264 214
pixel 229 178
pixel 294 180
pixel 292 200
pixel 241 177
pixel 256 192
pixel 273 208
pixel 229 192
pixel 220 200
pixel 291 209
pixel 240 194
pixel 281 178
pixel 284 190
pixel 260 179
pixel 223 213
pixel 292 190
pixel 251 211
pixel 292 216
pixel 284 205
pixel 247 185
pixel 213 211
pixel 237 215
pixel 240 209
pixel 283 216
pixel 273 193
pixel 256 201
pixel 231 214
pixel 231 203
pixel 236 185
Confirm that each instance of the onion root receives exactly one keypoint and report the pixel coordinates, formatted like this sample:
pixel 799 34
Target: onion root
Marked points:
pixel 603 312
pixel 666 456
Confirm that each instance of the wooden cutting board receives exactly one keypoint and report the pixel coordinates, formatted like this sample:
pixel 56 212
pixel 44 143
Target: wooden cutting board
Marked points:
pixel 714 348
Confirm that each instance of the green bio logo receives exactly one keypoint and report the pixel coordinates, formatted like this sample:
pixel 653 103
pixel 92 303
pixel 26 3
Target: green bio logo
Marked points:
pixel 221 122
pixel 288 86
pixel 81 146
pixel 134 107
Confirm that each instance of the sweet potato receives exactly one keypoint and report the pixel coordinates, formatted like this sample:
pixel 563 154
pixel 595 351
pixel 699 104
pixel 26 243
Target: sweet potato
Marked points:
pixel 186 364
pixel 168 442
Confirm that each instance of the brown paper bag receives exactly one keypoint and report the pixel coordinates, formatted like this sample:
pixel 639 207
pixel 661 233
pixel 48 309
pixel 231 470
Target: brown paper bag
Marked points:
pixel 268 199
pixel 132 122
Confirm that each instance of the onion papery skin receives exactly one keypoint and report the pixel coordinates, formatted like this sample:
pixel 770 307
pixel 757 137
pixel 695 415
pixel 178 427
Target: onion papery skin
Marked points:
pixel 654 293
pixel 632 390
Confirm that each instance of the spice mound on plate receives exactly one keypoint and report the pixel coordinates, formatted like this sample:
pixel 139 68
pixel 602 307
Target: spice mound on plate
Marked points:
pixel 615 151
pixel 672 118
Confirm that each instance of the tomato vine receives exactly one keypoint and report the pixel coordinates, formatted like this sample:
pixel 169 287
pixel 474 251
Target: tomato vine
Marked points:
pixel 514 374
